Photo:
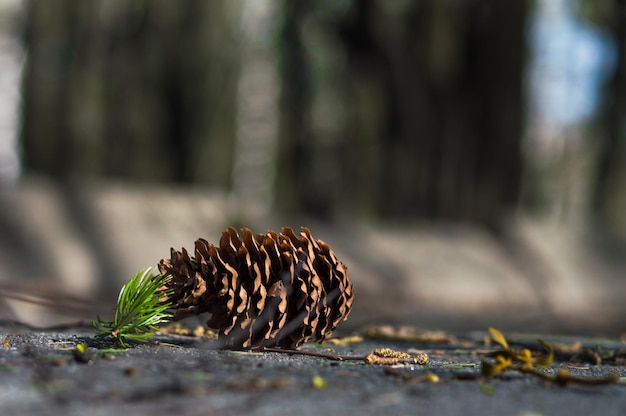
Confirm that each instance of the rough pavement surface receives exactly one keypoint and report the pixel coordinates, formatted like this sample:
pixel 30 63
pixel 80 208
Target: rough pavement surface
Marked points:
pixel 41 373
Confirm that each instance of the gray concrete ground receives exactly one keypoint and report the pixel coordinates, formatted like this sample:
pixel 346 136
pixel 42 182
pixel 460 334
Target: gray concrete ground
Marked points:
pixel 40 375
pixel 72 251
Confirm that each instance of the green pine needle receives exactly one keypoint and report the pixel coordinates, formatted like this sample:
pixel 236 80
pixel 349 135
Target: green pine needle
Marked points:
pixel 139 309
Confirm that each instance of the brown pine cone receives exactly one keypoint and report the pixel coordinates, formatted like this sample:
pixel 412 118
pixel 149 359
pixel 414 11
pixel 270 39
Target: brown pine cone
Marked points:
pixel 262 291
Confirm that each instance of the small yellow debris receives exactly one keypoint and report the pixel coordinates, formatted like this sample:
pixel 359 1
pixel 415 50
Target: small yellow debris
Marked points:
pixel 487 389
pixel 523 361
pixel 389 353
pixel 80 354
pixel 410 334
pixel 387 356
pixel 407 377
pixel 177 328
pixel 377 359
pixel 345 340
pixel 6 343
pixel 568 348
pixel 432 378
pixel 319 382
pixel 199 331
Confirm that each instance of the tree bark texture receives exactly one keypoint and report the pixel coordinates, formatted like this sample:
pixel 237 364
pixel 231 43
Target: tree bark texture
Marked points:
pixel 608 199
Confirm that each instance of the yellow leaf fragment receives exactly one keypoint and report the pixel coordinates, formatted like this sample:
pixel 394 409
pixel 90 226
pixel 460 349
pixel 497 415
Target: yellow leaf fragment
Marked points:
pixel 432 378
pixel 548 359
pixel 523 361
pixel 319 382
pixel 498 338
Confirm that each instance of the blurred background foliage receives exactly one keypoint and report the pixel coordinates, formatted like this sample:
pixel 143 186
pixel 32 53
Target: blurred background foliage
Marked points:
pixel 368 109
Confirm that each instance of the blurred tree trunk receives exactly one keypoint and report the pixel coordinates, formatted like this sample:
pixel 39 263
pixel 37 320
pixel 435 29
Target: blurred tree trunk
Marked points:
pixel 451 74
pixel 141 90
pixel 608 200
pixel 257 112
pixel 295 187
pixel 392 109
pixel 130 89
pixel 433 107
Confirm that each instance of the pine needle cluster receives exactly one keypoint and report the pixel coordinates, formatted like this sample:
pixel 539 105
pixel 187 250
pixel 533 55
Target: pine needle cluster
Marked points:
pixel 140 308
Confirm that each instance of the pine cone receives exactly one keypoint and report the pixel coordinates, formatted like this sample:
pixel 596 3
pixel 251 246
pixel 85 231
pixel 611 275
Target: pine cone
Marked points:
pixel 262 291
